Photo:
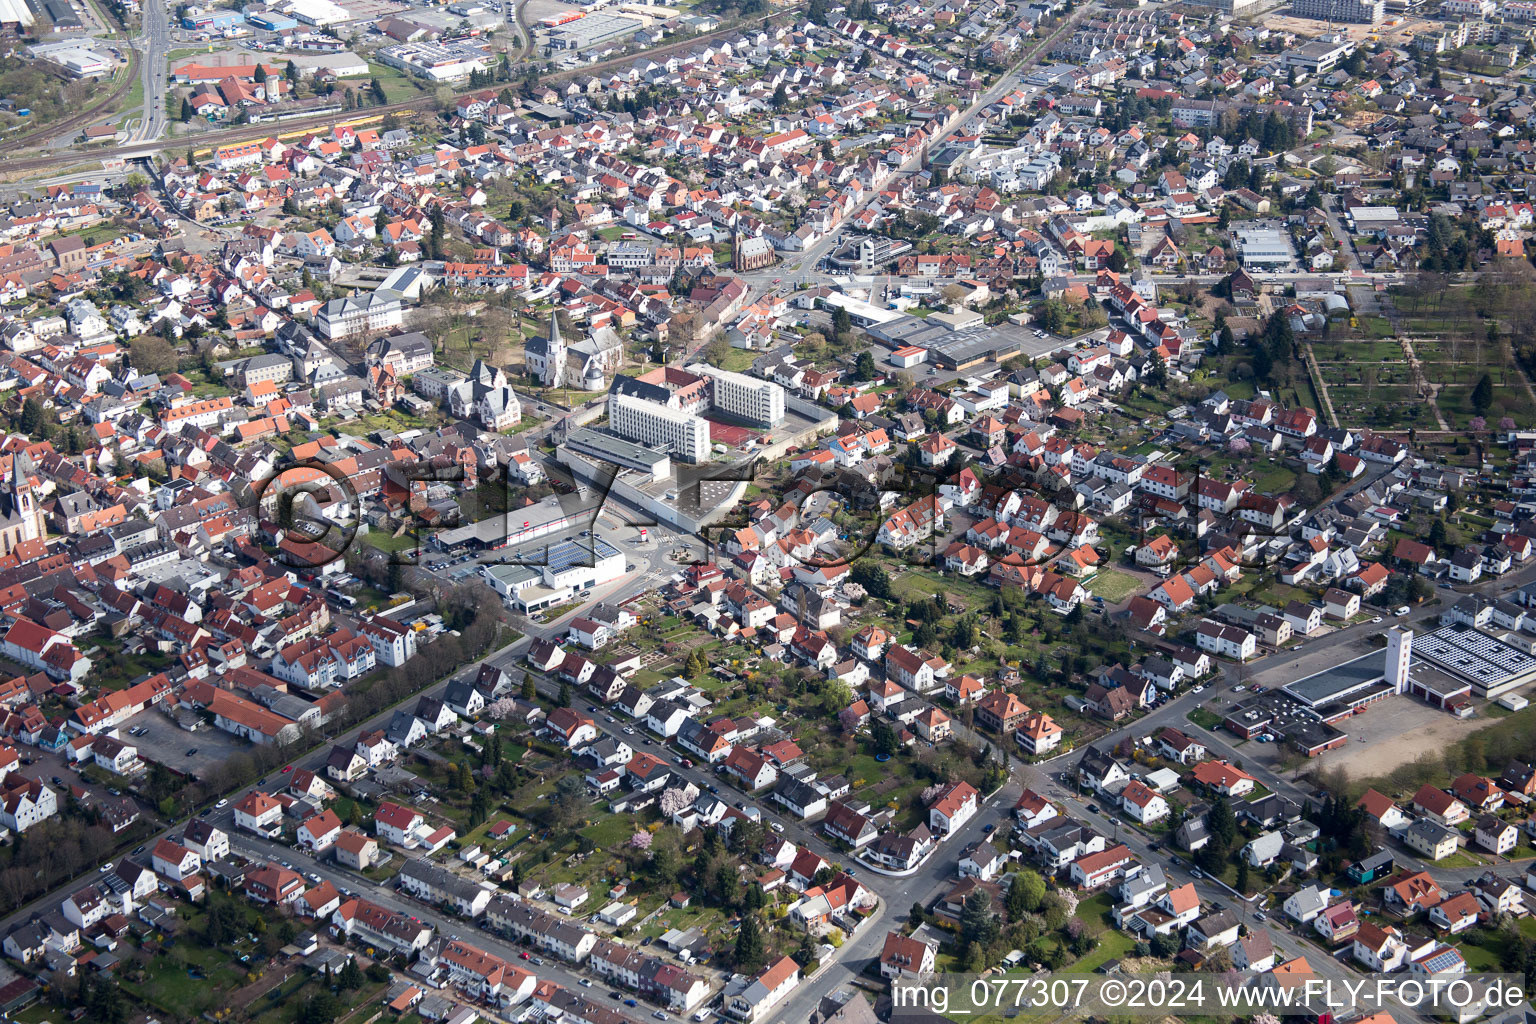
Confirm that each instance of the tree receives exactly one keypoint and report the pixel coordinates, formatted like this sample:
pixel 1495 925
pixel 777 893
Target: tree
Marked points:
pixel 568 800
pixel 32 414
pixel 261 73
pixel 530 691
pixel 150 353
pixel 291 72
pixel 186 109
pixel 864 367
pixel 977 923
pixel 750 948
pixel 1222 825
pixel 870 575
pixel 103 1002
pixel 1025 894
pixel 674 799
pixel 1242 875
pixel 565 695
pixel 350 977
pixel 1482 394
pixel 842 323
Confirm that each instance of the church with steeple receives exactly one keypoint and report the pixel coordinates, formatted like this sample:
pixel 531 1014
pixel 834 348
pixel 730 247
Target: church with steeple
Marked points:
pixel 545 357
pixel 21 516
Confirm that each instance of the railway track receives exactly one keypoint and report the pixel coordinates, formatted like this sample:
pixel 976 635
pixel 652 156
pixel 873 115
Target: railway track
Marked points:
pixel 75 121
pixel 244 133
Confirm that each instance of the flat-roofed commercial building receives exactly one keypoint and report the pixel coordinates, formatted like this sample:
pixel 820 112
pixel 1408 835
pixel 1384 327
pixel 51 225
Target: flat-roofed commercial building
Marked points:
pixel 608 448
pixel 1492 666
pixel 1263 245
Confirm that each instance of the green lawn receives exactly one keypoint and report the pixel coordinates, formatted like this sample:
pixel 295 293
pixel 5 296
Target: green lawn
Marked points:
pixel 1113 586
pixel 1112 946
pixel 1460 859
pixel 738 360
pixel 1480 957
pixel 612 832
pixel 385 541
pixel 1204 718
pixel 397 85
pixel 1275 480
pixel 133 101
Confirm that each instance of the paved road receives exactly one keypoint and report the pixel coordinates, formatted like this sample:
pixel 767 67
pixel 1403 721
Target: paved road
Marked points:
pixel 154 44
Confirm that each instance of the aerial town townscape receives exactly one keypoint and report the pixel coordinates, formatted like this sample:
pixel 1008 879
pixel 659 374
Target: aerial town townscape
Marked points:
pixel 602 513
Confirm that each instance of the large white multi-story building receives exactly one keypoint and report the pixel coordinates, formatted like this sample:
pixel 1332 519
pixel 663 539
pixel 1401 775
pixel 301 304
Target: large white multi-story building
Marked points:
pixel 373 313
pixel 1352 12
pixel 746 398
pixel 682 435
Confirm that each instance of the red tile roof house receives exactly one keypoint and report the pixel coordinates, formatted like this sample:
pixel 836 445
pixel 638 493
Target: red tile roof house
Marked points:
pixel 903 956
pixel 1477 792
pixel 1223 778
pixel 1098 869
pixel 320 831
pixel 1001 711
pixel 1410 891
pixel 273 884
pixel 396 824
pixel 174 860
pixel 956 804
pixel 1439 805
pixel 1455 914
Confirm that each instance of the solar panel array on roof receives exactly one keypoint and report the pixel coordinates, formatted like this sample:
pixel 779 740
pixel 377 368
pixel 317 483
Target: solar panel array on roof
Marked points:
pixel 1479 657
pixel 568 554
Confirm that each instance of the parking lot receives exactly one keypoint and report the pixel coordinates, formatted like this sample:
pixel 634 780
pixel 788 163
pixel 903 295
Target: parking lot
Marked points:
pixel 166 742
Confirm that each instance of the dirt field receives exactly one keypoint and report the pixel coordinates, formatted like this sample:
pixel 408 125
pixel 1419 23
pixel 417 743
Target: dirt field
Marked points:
pixel 1391 34
pixel 1395 732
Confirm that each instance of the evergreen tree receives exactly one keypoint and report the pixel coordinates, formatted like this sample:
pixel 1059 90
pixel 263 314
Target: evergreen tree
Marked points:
pixel 750 948
pixel 186 109
pixel 1482 394
pixel 565 695
pixel 351 976
pixel 977 923
pixel 1222 825
pixel 842 323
